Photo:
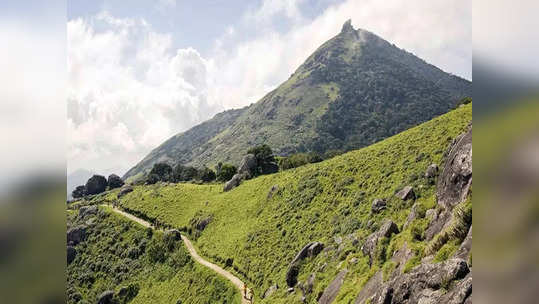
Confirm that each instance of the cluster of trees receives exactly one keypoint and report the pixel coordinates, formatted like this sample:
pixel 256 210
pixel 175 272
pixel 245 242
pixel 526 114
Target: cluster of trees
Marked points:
pixel 300 159
pixel 97 184
pixel 166 173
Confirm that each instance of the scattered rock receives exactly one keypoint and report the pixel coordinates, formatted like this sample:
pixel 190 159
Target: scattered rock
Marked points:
pixel 431 171
pixel 309 250
pixel 388 228
pixel 290 290
pixel 407 193
pixel 114 181
pixel 87 210
pixel 378 205
pixel 353 260
pixel 106 297
pixel 338 239
pixel 274 189
pixel 76 235
pixel 456 178
pixel 71 254
pixel 125 190
pixel 270 291
pixel 233 182
pixel 309 284
pixel 330 293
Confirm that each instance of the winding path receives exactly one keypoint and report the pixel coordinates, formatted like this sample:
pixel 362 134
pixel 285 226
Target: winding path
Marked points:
pixel 229 276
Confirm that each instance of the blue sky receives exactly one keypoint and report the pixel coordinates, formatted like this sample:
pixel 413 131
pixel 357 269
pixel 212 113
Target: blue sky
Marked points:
pixel 141 71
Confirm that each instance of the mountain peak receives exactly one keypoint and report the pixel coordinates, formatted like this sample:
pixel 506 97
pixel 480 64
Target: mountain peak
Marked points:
pixel 347 26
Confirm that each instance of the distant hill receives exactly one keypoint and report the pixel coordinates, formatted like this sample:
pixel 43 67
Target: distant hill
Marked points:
pixel 76 178
pixel 354 90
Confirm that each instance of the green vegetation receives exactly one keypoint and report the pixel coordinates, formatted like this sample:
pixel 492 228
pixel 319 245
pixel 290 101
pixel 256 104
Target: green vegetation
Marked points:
pixel 225 172
pixel 354 90
pixel 139 265
pixel 257 235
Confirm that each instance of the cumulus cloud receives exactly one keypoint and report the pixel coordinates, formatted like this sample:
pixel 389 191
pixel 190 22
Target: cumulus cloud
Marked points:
pixel 130 90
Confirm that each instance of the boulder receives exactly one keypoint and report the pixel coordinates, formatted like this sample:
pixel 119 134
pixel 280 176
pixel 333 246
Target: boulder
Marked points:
pixel 330 293
pixel 233 182
pixel 310 250
pixel 96 184
pixel 456 177
pixel 76 235
pixel 401 256
pixel 378 205
pixel 464 250
pixel 247 166
pixel 105 297
pixel 369 246
pixel 423 284
pixel 270 291
pixel 125 190
pixel 411 216
pixel 407 193
pixel 432 171
pixel 114 181
pixel 71 254
pixel 87 210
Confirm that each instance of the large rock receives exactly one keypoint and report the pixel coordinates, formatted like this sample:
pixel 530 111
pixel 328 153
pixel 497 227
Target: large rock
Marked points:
pixel 310 250
pixel 87 210
pixel 378 205
pixel 124 191
pixel 407 193
pixel 106 297
pixel 96 184
pixel 432 171
pixel 456 177
pixel 330 293
pixel 76 235
pixel 370 288
pixel 71 254
pixel 386 230
pixel 233 182
pixel 423 284
pixel 464 250
pixel 247 166
pixel 115 181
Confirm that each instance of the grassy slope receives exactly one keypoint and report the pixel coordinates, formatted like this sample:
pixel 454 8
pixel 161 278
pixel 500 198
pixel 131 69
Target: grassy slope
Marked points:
pixel 103 264
pixel 315 203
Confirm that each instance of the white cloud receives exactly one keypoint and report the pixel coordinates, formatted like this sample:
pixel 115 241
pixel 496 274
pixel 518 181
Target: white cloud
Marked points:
pixel 130 90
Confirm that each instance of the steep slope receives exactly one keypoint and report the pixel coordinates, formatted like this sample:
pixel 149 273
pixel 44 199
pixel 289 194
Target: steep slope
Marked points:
pixel 257 229
pixel 354 90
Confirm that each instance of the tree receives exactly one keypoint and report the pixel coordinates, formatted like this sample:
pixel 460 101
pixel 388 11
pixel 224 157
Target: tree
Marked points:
pixel 206 174
pixel 79 192
pixel 115 181
pixel 96 184
pixel 189 173
pixel 152 179
pixel 226 172
pixel 265 159
pixel 163 171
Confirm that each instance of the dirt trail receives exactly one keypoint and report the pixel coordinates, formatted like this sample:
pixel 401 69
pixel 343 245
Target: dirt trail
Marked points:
pixel 229 276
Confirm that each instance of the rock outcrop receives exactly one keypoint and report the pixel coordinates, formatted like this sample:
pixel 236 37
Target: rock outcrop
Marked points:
pixel 378 205
pixel 386 230
pixel 407 193
pixel 247 166
pixel 330 293
pixel 422 284
pixel 233 182
pixel 309 250
pixel 431 171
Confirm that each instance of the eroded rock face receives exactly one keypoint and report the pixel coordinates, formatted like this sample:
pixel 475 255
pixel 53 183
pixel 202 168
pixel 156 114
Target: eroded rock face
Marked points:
pixel 330 293
pixel 422 284
pixel 456 177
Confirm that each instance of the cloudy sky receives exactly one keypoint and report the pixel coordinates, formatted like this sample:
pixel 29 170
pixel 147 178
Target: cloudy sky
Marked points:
pixel 140 73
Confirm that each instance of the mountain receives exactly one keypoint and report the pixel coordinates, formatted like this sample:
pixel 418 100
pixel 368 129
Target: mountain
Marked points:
pixel 354 90
pixel 77 178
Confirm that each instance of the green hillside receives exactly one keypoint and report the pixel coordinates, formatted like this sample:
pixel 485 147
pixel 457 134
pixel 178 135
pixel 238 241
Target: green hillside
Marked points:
pixel 354 90
pixel 119 254
pixel 256 232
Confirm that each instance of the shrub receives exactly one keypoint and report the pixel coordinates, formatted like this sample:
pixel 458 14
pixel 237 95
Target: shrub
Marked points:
pixel 80 191
pixel 226 172
pixel 299 159
pixel 156 251
pixel 185 173
pixel 152 179
pixel 115 181
pixel 163 171
pixel 265 160
pixel 206 174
